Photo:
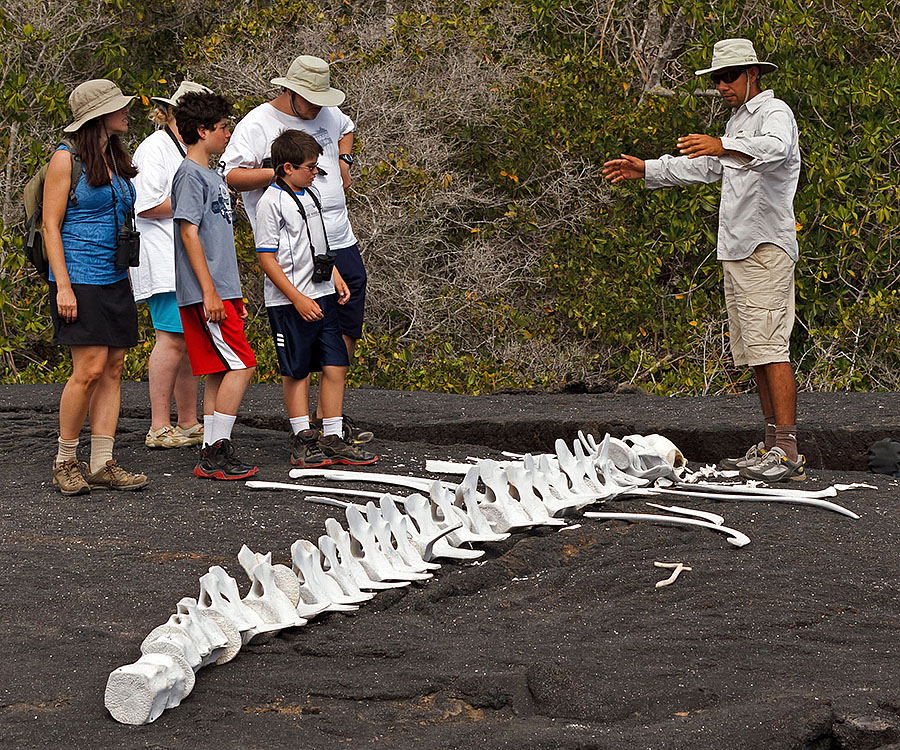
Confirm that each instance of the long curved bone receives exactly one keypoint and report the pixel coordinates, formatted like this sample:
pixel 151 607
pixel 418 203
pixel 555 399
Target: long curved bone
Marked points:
pixel 365 548
pixel 260 485
pixel 414 483
pixel 757 498
pixel 748 489
pixel 269 601
pixel 735 537
pixel 395 552
pixel 418 508
pixel 702 514
pixel 350 557
pixel 318 591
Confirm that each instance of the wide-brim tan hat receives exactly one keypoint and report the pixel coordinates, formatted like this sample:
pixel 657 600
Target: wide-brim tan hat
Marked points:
pixel 735 53
pixel 185 87
pixel 92 99
pixel 309 76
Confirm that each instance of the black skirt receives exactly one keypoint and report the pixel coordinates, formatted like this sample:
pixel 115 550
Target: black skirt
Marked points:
pixel 106 316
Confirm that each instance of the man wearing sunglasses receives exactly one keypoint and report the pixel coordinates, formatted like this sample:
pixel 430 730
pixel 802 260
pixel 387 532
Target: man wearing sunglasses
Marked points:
pixel 758 163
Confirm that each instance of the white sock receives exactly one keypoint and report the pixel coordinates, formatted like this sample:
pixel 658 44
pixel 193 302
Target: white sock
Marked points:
pixel 333 426
pixel 207 430
pixel 298 424
pixel 223 424
pixel 66 450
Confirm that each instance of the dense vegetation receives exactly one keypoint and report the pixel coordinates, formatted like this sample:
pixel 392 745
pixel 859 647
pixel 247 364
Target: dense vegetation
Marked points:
pixel 497 255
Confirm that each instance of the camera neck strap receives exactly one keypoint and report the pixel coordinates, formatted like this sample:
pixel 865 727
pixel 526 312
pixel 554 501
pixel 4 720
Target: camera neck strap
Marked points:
pixel 177 143
pixel 129 215
pixel 289 190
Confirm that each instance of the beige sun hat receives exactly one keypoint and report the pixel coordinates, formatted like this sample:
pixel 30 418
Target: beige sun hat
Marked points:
pixel 309 76
pixel 185 87
pixel 735 53
pixel 93 99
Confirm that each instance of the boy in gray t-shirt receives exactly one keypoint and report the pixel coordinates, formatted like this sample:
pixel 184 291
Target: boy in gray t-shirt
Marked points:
pixel 207 283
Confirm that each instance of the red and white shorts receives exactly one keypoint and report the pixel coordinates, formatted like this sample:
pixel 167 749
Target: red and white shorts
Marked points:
pixel 216 347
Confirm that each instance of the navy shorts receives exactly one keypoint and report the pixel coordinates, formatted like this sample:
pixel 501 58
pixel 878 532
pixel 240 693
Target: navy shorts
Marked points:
pixel 305 346
pixel 350 265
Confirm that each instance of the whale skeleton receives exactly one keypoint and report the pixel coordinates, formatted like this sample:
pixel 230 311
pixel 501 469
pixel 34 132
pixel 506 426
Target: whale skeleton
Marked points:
pixel 393 541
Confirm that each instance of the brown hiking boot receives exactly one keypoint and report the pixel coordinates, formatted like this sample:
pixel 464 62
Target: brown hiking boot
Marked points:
pixel 114 477
pixel 69 479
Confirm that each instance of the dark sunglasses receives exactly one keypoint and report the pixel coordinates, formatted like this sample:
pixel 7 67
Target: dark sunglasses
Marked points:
pixel 727 76
pixel 312 170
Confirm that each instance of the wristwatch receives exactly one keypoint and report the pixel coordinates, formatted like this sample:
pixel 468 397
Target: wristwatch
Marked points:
pixel 347 159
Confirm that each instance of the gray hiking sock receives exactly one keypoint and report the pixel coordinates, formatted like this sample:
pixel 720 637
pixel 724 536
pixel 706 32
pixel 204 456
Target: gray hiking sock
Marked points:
pixel 786 439
pixel 770 430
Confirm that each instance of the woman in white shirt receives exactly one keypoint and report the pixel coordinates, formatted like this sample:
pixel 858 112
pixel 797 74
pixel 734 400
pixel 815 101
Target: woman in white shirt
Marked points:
pixel 153 281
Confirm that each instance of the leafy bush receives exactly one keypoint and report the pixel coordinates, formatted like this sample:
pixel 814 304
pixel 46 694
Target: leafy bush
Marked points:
pixel 496 253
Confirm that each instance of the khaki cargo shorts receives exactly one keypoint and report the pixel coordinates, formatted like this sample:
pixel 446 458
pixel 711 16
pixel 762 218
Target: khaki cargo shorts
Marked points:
pixel 759 297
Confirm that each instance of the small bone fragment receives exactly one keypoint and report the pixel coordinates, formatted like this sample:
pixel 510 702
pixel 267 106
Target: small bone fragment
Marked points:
pixel 677 570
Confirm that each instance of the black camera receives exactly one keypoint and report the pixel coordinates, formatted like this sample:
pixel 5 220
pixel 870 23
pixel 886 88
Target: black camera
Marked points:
pixel 128 249
pixel 323 267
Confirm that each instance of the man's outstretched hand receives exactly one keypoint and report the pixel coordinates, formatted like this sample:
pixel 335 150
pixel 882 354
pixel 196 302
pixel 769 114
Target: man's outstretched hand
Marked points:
pixel 625 168
pixel 695 145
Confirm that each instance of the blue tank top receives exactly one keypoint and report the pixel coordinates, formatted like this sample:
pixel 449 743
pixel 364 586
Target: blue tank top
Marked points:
pixel 89 230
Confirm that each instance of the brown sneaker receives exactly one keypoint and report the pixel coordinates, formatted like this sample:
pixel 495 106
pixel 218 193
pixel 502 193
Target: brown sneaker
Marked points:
pixel 114 477
pixel 68 478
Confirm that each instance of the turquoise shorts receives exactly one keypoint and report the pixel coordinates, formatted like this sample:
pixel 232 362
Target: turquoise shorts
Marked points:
pixel 164 312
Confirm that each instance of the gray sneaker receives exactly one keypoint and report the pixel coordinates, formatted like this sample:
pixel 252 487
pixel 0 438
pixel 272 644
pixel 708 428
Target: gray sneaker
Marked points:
pixel 752 457
pixel 775 466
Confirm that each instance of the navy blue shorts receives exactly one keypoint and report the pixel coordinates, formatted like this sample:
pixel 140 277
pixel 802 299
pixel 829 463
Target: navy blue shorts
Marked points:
pixel 350 265
pixel 305 346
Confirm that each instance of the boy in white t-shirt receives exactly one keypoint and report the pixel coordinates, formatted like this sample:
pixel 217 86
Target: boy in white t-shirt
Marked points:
pixel 302 292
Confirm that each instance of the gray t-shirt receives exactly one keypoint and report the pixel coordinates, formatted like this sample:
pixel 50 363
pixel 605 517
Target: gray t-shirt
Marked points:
pixel 200 196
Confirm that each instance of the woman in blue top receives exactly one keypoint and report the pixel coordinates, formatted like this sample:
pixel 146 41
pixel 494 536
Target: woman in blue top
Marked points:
pixel 91 304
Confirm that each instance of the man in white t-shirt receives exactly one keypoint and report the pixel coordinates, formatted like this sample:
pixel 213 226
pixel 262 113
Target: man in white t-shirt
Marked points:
pixel 307 103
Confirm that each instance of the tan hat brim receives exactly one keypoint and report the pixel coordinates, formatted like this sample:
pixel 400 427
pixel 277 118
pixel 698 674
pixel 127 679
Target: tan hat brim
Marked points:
pixel 114 104
pixel 331 98
pixel 764 67
pixel 163 100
